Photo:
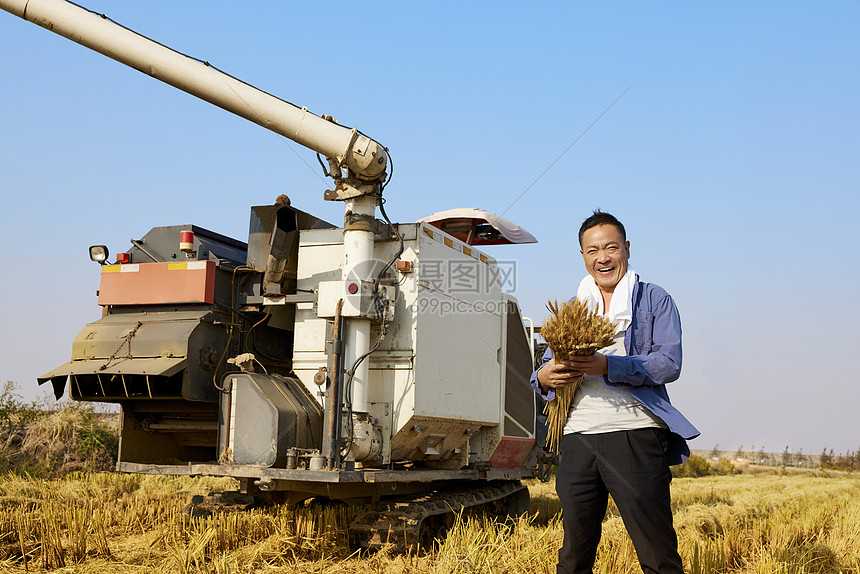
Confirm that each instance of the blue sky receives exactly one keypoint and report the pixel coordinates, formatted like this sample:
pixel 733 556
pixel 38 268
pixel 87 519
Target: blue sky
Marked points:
pixel 732 160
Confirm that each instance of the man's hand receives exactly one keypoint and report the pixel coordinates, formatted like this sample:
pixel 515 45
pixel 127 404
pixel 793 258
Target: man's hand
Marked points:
pixel 554 376
pixel 595 364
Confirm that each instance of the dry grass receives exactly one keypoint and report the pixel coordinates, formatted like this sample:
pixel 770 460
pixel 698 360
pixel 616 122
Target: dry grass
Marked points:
pixel 804 523
pixel 70 439
pixel 49 440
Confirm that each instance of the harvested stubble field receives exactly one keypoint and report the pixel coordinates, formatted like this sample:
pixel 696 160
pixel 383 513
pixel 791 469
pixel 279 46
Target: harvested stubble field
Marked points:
pixel 796 523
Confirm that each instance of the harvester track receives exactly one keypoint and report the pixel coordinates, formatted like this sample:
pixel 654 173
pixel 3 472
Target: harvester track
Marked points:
pixel 414 522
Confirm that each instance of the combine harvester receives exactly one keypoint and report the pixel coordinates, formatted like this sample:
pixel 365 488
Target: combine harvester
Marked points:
pixel 313 360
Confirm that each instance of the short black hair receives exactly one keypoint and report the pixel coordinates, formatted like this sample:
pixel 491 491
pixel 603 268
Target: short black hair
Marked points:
pixel 601 218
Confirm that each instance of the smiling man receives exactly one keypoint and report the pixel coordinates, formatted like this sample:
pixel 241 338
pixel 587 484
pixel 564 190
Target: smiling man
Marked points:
pixel 622 433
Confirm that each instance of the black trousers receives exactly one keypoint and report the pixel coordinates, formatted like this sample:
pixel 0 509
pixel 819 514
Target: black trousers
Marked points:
pixel 633 467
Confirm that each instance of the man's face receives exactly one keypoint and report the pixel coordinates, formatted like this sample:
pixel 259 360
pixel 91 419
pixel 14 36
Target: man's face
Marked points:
pixel 605 254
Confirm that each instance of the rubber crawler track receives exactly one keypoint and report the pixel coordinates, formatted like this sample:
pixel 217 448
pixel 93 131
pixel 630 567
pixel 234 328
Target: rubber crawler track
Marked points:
pixel 412 522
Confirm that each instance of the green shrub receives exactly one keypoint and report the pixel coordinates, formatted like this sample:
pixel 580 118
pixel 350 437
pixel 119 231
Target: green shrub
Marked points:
pixel 15 412
pixel 96 434
pixel 722 466
pixel 693 467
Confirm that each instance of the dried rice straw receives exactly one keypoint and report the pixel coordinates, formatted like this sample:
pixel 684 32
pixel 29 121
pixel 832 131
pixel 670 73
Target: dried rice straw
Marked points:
pixel 572 330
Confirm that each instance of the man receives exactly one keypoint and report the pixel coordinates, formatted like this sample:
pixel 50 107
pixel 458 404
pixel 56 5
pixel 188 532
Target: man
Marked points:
pixel 622 433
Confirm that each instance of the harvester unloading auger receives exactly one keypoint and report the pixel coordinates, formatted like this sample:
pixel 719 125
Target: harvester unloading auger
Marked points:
pixel 313 360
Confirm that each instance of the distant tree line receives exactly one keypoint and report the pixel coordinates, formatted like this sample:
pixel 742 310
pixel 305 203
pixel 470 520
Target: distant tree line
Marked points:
pixel 848 461
pixel 763 458
pixel 828 459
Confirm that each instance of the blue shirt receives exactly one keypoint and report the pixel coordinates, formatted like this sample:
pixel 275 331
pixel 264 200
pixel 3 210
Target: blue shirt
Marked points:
pixel 653 346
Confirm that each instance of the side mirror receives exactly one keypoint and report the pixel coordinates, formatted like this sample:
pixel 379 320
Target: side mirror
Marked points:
pixel 99 254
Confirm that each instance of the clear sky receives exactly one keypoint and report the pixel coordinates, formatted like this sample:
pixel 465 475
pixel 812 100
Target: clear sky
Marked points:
pixel 733 160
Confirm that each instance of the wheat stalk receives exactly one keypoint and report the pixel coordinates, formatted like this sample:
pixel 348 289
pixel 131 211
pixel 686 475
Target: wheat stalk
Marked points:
pixel 571 330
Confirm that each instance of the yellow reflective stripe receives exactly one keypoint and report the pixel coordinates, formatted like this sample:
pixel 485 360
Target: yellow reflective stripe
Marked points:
pixel 474 253
pixel 177 266
pixel 128 268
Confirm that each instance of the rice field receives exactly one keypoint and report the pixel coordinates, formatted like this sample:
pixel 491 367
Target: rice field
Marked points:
pixel 804 522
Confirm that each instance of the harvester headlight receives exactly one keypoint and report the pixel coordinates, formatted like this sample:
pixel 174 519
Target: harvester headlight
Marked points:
pixel 99 253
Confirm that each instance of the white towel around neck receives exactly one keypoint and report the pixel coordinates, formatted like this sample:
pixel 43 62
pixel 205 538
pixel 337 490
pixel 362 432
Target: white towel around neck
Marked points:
pixel 620 306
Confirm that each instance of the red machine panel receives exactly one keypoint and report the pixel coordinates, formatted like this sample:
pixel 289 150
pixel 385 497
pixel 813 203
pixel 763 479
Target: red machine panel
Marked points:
pixel 158 283
pixel 511 452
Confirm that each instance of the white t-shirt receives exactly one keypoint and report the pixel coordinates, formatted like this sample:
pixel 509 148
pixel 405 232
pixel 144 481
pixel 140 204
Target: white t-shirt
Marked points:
pixel 599 408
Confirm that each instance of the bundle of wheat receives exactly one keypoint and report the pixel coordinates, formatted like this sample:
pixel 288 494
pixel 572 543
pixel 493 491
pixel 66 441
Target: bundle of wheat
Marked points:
pixel 571 330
